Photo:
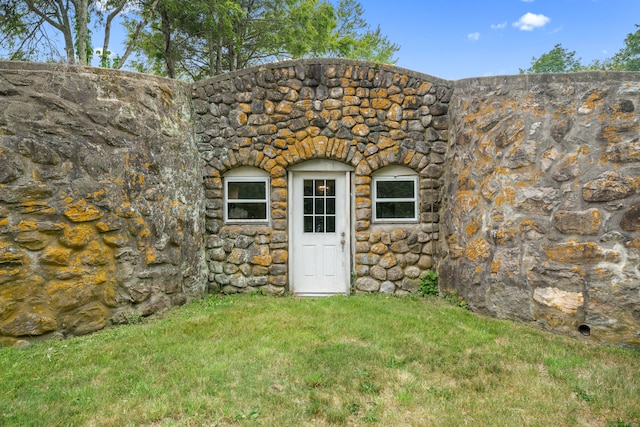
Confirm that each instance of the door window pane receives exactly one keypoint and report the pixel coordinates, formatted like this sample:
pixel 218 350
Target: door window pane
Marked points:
pixel 308 224
pixel 331 224
pixel 331 206
pixel 308 187
pixel 330 185
pixel 319 201
pixel 308 205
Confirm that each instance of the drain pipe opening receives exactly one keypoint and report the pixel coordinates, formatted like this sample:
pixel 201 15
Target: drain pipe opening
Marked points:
pixel 584 330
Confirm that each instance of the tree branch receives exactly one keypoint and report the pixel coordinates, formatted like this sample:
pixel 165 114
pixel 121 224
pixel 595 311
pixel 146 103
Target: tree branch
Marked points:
pixel 134 39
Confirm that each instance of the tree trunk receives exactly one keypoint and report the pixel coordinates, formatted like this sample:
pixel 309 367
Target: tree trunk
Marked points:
pixel 133 40
pixel 232 56
pixel 219 57
pixel 168 45
pixel 211 56
pixel 58 18
pixel 82 17
pixel 67 31
pixel 104 56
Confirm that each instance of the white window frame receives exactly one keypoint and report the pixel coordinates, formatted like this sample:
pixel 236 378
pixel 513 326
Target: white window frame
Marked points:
pixel 246 174
pixel 390 174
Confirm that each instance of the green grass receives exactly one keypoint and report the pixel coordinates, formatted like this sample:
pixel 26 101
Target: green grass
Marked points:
pixel 362 360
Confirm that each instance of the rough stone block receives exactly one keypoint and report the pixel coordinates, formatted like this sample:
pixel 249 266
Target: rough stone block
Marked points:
pixel 367 284
pixel 578 222
pixel 607 187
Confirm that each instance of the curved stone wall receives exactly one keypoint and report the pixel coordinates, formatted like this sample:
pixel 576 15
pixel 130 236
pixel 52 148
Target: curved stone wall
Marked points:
pixel 542 209
pixel 100 199
pixel 112 190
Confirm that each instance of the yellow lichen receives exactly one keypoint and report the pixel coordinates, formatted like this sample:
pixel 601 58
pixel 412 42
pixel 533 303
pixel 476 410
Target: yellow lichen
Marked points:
pixel 27 226
pixel 477 250
pixel 472 228
pixel 77 236
pixel 508 195
pixel 81 211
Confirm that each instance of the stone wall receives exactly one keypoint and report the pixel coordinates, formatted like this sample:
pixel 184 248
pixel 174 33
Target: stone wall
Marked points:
pixel 100 199
pixel 111 189
pixel 360 114
pixel 542 209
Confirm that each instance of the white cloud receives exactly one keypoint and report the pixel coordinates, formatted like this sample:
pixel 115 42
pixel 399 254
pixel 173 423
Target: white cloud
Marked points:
pixel 501 26
pixel 474 37
pixel 530 21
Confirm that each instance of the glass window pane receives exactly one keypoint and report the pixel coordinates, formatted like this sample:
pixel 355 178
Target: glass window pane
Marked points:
pixel 319 206
pixel 331 187
pixel 331 224
pixel 247 211
pixel 331 206
pixel 319 224
pixel 308 206
pixel 308 187
pixel 395 189
pixel 247 190
pixel 308 224
pixel 395 210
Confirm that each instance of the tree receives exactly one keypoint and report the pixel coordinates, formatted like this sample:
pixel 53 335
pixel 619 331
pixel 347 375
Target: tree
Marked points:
pixel 306 29
pixel 355 38
pixel 317 29
pixel 26 27
pixel 190 39
pixel 194 39
pixel 628 58
pixel 560 59
pixel 22 33
pixel 557 60
pixel 30 29
pixel 203 38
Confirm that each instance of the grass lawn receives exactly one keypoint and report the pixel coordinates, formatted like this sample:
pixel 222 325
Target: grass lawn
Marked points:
pixel 360 360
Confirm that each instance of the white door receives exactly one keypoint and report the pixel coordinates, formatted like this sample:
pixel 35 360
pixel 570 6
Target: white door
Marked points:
pixel 319 236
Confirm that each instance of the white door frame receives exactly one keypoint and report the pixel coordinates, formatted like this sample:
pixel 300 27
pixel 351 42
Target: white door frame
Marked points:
pixel 321 168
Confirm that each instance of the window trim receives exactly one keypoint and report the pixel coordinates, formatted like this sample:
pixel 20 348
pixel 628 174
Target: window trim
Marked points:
pixel 246 174
pixel 391 174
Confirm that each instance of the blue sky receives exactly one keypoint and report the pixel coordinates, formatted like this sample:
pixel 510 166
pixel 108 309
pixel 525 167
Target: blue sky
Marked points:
pixel 455 39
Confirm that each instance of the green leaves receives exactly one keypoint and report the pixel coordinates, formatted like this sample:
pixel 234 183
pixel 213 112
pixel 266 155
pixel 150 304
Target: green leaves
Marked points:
pixel 195 39
pixel 628 58
pixel 557 60
pixel 561 60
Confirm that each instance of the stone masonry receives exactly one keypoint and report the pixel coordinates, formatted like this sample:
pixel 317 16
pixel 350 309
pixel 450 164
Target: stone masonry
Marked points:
pixel 354 113
pixel 99 199
pixel 541 216
pixel 111 190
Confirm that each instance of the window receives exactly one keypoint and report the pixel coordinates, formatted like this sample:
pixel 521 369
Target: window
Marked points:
pixel 319 205
pixel 395 195
pixel 246 195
